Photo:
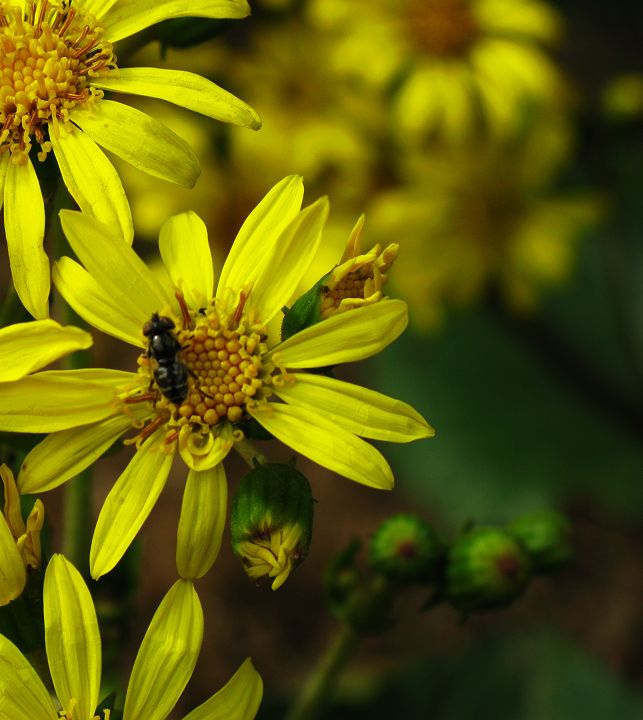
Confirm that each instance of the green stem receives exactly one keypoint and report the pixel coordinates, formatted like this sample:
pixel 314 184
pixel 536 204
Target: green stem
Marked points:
pixel 316 692
pixel 249 453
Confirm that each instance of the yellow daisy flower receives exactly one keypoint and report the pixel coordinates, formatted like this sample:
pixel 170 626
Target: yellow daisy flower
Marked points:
pixel 19 540
pixel 56 62
pixel 162 668
pixel 485 217
pixel 452 66
pixel 215 368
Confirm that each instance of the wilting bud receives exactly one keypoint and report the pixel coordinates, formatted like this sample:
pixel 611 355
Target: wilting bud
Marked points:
pixel 357 280
pixel 486 568
pixel 405 549
pixel 19 541
pixel 271 521
pixel 545 537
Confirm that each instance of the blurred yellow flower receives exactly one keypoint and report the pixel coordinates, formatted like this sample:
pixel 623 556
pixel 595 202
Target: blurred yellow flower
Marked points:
pixel 452 67
pixel 208 364
pixel 57 60
pixel 163 665
pixel 19 540
pixel 482 217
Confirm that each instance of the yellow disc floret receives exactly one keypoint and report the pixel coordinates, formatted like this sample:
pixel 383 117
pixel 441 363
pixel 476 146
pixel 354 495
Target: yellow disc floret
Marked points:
pixel 445 28
pixel 48 53
pixel 222 354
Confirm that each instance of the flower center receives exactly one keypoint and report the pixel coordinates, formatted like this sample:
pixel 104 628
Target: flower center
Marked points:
pixel 446 28
pixel 48 52
pixel 222 360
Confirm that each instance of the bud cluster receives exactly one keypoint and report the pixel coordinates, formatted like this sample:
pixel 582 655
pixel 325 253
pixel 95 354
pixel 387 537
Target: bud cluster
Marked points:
pixel 484 568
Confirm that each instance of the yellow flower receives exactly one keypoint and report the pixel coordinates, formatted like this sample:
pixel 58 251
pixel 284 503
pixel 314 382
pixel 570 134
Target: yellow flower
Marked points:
pixel 230 371
pixel 481 218
pixel 19 541
pixel 57 60
pixel 163 665
pixel 454 66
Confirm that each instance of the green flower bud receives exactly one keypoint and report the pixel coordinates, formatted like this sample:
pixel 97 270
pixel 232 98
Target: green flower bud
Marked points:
pixel 486 568
pixel 271 521
pixel 545 537
pixel 405 549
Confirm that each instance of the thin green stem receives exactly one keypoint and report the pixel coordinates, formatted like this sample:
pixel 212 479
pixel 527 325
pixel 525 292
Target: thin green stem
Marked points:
pixel 249 453
pixel 318 688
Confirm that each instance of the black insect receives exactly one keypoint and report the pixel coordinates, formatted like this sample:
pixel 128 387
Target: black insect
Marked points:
pixel 171 373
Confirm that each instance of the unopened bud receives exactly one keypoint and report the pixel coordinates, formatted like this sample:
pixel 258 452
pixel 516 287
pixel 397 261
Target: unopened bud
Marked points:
pixel 545 537
pixel 271 521
pixel 486 569
pixel 405 549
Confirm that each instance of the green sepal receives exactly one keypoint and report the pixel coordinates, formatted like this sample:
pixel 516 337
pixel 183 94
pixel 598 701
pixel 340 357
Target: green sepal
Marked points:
pixel 305 311
pixel 486 568
pixel 545 537
pixel 271 495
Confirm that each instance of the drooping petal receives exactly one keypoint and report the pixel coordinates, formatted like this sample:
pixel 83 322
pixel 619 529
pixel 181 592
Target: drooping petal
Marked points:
pixel 185 89
pixel 22 694
pixel 288 260
pixel 24 221
pixel 97 306
pixel 129 503
pixel 252 246
pixel 45 402
pixel 238 699
pixel 144 142
pixel 345 337
pixel 26 347
pixel 114 265
pixel 12 567
pixel 62 455
pixel 326 443
pixel 92 181
pixel 203 516
pixel 184 246
pixel 361 411
pixel 127 18
pixel 71 637
pixel 167 655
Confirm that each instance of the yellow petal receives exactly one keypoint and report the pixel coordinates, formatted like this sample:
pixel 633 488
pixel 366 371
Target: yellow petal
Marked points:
pixel 127 18
pixel 22 694
pixel 12 567
pixel 203 516
pixel 326 444
pixel 204 451
pixel 287 261
pixel 185 89
pixel 184 246
pixel 167 655
pixel 97 306
pixel 259 232
pixel 97 8
pixel 62 455
pixel 238 699
pixel 129 503
pixel 71 637
pixel 93 181
pixel 45 402
pixel 344 337
pixel 139 139
pixel 4 166
pixel 114 265
pixel 24 220
pixel 25 347
pixel 361 411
